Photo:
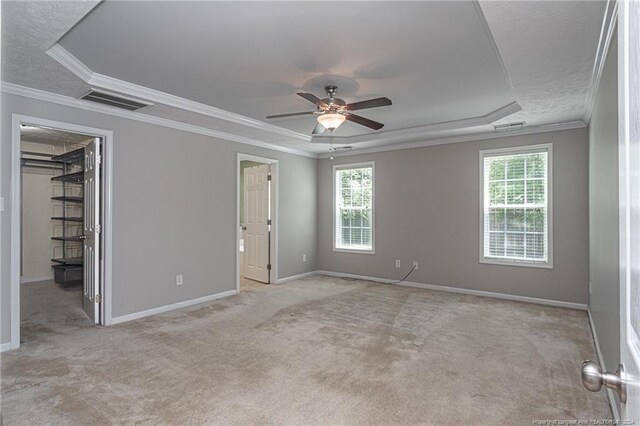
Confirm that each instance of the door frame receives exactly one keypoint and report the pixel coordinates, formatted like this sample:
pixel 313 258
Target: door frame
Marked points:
pixel 275 229
pixel 16 217
pixel 627 146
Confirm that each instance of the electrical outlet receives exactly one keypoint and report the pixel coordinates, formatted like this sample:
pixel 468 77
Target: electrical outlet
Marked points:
pixel 179 279
pixel 304 257
pixel 398 263
pixel 415 265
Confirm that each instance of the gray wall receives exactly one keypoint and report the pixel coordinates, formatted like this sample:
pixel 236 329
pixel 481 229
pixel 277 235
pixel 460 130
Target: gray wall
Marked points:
pixel 427 210
pixel 604 300
pixel 173 209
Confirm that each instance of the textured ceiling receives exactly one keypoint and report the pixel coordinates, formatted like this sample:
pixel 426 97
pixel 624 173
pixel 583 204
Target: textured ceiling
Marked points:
pixel 549 49
pixel 432 59
pixel 51 136
pixel 29 28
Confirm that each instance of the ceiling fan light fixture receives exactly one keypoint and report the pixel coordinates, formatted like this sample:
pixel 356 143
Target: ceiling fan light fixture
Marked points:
pixel 331 121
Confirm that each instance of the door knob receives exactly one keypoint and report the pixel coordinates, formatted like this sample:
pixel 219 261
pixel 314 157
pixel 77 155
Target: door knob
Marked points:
pixel 244 228
pixel 593 378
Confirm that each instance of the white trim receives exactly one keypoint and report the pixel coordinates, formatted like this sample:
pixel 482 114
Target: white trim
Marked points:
pixel 16 217
pixel 423 141
pixel 172 307
pixel 73 64
pixel 70 62
pixel 273 277
pixel 480 293
pixel 336 168
pixel 548 147
pixel 609 21
pixel 24 280
pixel 5 347
pixel 610 396
pixel 516 262
pixel 421 132
pixel 296 277
pixel 471 137
pixel 494 45
pixel 40 95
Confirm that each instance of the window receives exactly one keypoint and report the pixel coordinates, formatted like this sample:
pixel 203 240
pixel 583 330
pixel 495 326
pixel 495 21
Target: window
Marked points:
pixel 353 207
pixel 515 202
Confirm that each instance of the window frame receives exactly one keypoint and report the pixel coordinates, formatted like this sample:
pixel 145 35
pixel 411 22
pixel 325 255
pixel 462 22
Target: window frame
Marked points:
pixel 336 168
pixel 527 149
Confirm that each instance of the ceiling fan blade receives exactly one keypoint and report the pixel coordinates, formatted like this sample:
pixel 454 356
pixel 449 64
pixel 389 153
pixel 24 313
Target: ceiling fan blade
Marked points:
pixel 319 129
pixel 292 114
pixel 364 122
pixel 371 103
pixel 310 97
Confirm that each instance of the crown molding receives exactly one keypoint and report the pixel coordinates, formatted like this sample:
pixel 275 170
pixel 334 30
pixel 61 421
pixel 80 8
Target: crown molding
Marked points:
pixel 423 132
pixel 70 62
pixel 487 30
pixel 609 21
pixel 73 64
pixel 471 137
pixel 41 95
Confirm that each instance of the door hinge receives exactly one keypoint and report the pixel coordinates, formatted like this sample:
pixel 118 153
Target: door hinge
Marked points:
pixel 269 176
pixel 98 228
pixel 268 221
pixel 98 298
pixel 99 159
pixel 268 266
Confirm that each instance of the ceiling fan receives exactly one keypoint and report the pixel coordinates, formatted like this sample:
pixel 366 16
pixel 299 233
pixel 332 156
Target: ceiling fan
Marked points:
pixel 332 111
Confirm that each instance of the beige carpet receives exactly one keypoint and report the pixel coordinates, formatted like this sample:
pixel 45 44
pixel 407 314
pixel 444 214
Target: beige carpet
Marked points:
pixel 315 351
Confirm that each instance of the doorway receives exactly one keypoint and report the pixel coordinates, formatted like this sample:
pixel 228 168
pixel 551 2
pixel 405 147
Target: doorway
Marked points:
pixel 256 222
pixel 60 227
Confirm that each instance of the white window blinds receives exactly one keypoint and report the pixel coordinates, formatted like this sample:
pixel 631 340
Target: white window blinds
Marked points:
pixel 353 192
pixel 516 205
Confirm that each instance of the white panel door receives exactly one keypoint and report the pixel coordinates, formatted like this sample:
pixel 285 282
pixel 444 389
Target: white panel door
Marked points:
pixel 256 215
pixel 629 152
pixel 91 228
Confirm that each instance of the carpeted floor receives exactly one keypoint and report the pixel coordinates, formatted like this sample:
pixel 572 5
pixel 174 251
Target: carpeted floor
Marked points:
pixel 314 351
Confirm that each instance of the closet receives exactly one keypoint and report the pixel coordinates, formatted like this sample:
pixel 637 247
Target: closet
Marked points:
pixel 52 207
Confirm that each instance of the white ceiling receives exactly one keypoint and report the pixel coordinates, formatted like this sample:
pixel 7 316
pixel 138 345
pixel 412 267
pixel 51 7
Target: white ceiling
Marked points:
pixel 461 63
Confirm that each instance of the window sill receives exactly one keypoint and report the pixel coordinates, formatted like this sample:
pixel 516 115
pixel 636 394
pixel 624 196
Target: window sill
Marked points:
pixel 354 251
pixel 522 263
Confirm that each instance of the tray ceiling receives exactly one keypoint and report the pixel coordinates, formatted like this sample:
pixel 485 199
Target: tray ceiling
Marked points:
pixel 435 60
pixel 451 68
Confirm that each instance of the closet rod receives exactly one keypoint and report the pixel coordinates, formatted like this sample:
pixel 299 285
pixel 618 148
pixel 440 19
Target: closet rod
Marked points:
pixel 41 154
pixel 41 164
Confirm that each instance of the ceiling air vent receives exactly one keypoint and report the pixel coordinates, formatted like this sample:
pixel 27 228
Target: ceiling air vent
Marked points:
pixel 114 100
pixel 509 127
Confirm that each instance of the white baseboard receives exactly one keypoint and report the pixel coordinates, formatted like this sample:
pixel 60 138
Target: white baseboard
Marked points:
pixel 538 301
pixel 610 396
pixel 296 277
pixel 172 307
pixel 34 280
pixel 5 347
